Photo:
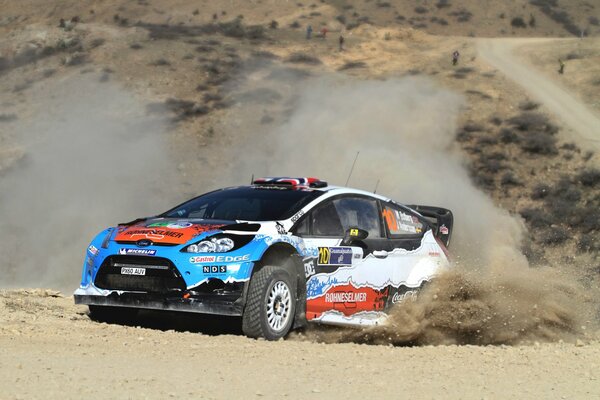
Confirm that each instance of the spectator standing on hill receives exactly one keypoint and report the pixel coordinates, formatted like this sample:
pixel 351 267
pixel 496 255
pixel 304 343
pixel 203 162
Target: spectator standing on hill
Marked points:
pixel 455 56
pixel 323 32
pixel 309 32
pixel 561 66
pixel 341 40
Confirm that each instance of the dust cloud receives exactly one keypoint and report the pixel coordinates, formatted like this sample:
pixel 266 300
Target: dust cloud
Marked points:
pixel 404 130
pixel 92 158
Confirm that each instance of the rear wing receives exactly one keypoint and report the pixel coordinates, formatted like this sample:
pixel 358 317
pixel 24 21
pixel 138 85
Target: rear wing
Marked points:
pixel 440 218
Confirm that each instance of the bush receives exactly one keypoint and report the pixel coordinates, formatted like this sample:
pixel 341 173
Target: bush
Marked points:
pixel 442 4
pixel 518 22
pixel 537 143
pixel 341 19
pixel 589 177
pixel 421 10
pixel 530 122
pixel 384 4
pixel 303 58
pixel 508 136
pixel 7 117
pixel 461 15
pixel 473 127
pixel 540 191
pixel 535 217
pixel 352 65
pixel 593 21
pixel 528 106
pixel 508 179
pixel 555 236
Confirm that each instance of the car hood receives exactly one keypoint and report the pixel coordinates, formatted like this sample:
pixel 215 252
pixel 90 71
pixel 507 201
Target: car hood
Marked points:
pixel 167 230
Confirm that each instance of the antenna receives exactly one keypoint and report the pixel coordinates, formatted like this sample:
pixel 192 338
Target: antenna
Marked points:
pixel 352 169
pixel 376 185
pixel 252 179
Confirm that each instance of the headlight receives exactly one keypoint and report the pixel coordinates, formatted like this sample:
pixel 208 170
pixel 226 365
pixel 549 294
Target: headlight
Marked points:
pixel 212 245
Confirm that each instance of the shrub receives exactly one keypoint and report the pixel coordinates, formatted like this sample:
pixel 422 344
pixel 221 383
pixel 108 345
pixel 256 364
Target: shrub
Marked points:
pixel 341 19
pixel 274 24
pixel 593 21
pixel 529 122
pixel 508 179
pixel 473 127
pixel 540 191
pixel 518 22
pixel 442 4
pixel 421 10
pixel 160 62
pixel 461 15
pixel 555 236
pixel 135 46
pixel 528 105
pixel 383 4
pixel 535 217
pixel 508 136
pixel 8 117
pixel 295 25
pixel 303 58
pixel 352 65
pixel 536 143
pixel 589 177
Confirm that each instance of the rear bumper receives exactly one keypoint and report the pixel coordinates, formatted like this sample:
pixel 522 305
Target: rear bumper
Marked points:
pixel 227 304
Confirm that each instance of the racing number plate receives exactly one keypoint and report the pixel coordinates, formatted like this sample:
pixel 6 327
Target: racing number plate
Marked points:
pixel 133 271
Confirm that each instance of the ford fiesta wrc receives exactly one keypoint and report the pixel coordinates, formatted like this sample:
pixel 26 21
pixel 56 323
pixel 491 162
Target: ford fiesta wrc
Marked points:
pixel 279 253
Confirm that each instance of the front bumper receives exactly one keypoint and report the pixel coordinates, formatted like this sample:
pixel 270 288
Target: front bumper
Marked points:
pixel 231 304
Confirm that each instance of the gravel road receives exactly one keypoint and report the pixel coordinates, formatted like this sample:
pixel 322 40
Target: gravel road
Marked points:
pixel 50 349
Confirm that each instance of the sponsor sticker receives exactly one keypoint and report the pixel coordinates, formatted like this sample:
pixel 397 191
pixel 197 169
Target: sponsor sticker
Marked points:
pixel 137 252
pixel 93 250
pixel 444 230
pixel 309 267
pixel 214 269
pixel 297 216
pixel 202 259
pixel 400 297
pixel 210 259
pixel 345 297
pixel 335 256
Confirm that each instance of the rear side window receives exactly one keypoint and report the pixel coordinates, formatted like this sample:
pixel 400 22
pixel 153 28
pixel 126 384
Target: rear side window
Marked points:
pixel 401 222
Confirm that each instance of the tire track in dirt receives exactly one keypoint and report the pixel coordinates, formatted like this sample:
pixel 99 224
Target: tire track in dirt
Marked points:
pixel 573 113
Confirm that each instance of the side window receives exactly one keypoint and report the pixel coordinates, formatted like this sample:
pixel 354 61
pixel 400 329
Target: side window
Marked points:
pixel 401 222
pixel 359 212
pixel 326 221
pixel 303 227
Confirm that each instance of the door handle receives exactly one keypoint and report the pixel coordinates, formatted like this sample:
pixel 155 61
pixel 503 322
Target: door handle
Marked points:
pixel 380 253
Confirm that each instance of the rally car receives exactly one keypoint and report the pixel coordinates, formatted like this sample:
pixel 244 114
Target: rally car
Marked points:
pixel 280 252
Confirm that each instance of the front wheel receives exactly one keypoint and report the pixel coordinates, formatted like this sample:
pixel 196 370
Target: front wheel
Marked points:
pixel 271 304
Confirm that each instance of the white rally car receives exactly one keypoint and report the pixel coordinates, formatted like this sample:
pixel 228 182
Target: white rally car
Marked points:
pixel 279 253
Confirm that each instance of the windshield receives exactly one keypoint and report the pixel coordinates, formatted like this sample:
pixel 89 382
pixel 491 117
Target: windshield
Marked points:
pixel 247 203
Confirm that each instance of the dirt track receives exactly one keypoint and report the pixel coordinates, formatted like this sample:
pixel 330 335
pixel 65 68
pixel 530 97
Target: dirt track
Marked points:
pixel 573 113
pixel 50 349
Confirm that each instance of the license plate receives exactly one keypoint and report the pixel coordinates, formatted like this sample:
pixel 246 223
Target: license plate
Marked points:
pixel 133 271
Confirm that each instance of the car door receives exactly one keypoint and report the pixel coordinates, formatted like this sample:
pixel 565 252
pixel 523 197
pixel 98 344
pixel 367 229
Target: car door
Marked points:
pixel 338 286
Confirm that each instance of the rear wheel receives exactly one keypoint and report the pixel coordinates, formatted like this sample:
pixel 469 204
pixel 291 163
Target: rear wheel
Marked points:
pixel 271 304
pixel 119 315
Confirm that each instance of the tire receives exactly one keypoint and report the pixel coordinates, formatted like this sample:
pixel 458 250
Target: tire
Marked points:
pixel 118 315
pixel 270 305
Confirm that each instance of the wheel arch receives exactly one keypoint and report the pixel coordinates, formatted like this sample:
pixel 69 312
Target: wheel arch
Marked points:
pixel 285 255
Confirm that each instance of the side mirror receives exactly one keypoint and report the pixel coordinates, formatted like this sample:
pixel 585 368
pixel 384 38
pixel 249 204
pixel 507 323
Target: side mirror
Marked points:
pixel 354 234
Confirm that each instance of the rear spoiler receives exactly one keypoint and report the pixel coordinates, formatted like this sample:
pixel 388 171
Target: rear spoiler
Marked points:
pixel 440 218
